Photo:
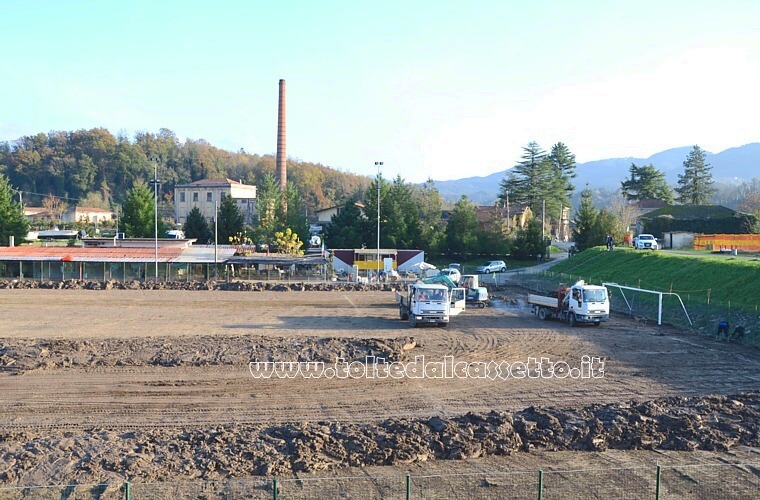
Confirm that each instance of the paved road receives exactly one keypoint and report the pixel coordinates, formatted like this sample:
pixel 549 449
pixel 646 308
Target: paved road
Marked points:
pixel 556 258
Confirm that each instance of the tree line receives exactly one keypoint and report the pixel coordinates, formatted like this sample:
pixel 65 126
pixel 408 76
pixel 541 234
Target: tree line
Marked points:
pixel 95 168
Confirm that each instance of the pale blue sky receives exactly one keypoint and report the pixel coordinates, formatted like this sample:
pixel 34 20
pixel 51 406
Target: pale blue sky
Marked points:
pixel 431 88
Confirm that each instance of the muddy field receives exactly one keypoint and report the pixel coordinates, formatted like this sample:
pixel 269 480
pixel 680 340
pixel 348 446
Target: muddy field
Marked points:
pixel 156 384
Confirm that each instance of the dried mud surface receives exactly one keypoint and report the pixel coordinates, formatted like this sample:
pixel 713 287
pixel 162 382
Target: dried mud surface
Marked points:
pixel 154 384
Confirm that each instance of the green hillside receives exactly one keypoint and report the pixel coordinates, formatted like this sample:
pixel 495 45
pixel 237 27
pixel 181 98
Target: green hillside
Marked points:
pixel 727 278
pixel 713 287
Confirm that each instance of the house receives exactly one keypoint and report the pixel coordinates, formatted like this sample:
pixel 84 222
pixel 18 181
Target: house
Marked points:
pixel 87 214
pixel 517 215
pixel 38 214
pixel 324 216
pixel 206 194
pixel 70 214
pixel 710 219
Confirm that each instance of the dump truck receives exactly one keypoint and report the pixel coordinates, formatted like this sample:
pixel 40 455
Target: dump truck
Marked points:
pixel 580 303
pixel 424 303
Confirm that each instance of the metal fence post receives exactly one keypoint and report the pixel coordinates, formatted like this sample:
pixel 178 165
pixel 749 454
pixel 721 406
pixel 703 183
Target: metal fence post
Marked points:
pixel 408 486
pixel 657 484
pixel 274 488
pixel 540 484
pixel 127 491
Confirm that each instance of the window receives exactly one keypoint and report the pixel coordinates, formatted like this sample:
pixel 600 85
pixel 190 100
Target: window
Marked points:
pixel 209 196
pixel 195 196
pixel 182 197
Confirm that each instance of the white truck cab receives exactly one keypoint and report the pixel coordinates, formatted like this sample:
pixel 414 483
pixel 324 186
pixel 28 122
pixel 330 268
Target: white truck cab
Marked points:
pixel 580 303
pixel 428 303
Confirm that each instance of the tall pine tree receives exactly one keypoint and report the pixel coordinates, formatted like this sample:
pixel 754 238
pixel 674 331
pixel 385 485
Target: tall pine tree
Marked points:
pixel 197 227
pixel 645 183
pixel 231 221
pixel 540 178
pixel 585 221
pixel 695 185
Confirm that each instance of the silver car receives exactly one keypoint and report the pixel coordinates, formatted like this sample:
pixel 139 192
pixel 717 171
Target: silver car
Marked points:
pixel 492 266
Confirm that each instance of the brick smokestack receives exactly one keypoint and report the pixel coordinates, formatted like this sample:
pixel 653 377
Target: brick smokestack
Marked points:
pixel 282 156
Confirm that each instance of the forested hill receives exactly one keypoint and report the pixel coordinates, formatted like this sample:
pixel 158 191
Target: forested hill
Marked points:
pixel 95 168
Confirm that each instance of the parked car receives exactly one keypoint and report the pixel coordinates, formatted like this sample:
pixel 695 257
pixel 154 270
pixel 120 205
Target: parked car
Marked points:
pixel 456 266
pixel 492 266
pixel 645 242
pixel 453 274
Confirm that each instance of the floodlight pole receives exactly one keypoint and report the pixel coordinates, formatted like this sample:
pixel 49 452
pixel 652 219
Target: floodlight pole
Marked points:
pixel 155 181
pixel 216 238
pixel 378 164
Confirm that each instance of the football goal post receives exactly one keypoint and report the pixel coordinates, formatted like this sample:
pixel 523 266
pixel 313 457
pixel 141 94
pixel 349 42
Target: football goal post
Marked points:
pixel 659 294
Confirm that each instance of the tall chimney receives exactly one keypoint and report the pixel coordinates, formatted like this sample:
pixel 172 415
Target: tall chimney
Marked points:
pixel 282 156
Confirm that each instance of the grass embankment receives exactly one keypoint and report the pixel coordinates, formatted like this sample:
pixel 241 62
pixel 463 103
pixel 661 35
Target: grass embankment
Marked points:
pixel 727 281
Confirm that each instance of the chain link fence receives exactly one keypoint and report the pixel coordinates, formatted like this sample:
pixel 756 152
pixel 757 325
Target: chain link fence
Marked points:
pixel 704 310
pixel 682 482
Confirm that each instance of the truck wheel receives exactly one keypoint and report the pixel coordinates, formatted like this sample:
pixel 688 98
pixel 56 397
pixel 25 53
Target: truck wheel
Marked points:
pixel 542 313
pixel 442 324
pixel 481 305
pixel 402 312
pixel 572 320
pixel 412 321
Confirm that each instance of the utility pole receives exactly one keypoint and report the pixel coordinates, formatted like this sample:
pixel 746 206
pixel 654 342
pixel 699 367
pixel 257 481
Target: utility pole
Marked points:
pixel 509 221
pixel 543 229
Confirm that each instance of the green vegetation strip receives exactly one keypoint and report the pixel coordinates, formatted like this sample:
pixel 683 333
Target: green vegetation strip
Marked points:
pixel 722 279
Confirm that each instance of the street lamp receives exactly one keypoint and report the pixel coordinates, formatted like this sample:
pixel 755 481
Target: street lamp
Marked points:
pixel 378 164
pixel 155 181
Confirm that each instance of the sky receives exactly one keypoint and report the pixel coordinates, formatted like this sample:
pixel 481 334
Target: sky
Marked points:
pixel 433 89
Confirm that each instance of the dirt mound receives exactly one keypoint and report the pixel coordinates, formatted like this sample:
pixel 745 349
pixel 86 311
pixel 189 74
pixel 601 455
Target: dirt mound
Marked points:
pixel 24 355
pixel 240 286
pixel 705 423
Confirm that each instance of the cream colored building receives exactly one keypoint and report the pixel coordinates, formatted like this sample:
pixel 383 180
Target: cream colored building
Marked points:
pixel 87 214
pixel 206 192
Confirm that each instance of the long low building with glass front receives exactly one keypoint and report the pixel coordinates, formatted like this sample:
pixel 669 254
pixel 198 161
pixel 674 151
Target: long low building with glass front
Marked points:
pixel 175 261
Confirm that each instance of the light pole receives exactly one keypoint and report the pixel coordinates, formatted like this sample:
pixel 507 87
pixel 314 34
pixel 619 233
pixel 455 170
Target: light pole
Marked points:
pixel 378 164
pixel 155 181
pixel 216 237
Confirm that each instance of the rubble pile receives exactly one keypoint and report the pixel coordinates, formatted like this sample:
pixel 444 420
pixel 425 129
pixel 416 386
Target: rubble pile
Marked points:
pixel 240 286
pixel 705 423
pixel 19 356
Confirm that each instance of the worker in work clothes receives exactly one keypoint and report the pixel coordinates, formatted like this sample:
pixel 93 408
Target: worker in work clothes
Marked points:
pixel 609 242
pixel 723 328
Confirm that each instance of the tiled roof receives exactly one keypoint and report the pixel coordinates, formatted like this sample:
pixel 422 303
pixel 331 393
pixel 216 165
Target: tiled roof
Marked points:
pixel 209 182
pixel 79 254
pixel 90 209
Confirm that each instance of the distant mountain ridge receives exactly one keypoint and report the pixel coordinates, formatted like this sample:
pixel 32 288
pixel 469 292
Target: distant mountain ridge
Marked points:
pixel 733 165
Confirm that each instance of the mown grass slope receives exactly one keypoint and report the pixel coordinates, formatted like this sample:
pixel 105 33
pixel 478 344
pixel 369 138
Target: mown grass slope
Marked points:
pixel 725 280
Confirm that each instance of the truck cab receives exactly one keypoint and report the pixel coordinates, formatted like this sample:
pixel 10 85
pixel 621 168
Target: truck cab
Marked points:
pixel 586 304
pixel 425 303
pixel 580 303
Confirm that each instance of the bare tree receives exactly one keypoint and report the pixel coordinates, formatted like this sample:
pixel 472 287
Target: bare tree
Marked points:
pixel 55 205
pixel 624 212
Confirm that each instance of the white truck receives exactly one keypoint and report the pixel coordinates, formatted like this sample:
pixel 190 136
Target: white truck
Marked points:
pixel 580 303
pixel 429 303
